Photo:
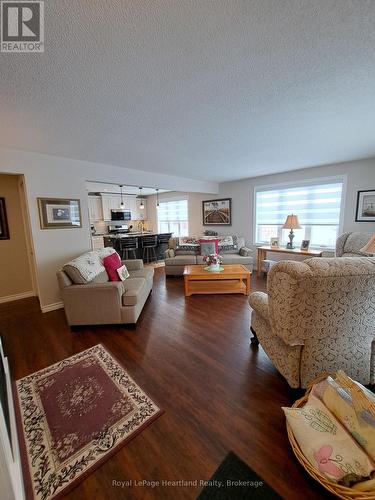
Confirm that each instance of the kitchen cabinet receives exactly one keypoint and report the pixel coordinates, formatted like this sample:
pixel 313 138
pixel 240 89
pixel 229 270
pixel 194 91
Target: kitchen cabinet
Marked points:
pixel 113 201
pixel 95 208
pixel 109 202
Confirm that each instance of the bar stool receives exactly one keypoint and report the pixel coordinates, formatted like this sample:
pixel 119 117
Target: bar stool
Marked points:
pixel 128 245
pixel 149 243
pixel 163 242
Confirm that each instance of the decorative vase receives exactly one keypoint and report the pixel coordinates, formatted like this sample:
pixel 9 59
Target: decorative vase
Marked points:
pixel 214 267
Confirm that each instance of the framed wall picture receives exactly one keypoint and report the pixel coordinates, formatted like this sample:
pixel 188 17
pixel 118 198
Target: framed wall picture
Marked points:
pixel 4 228
pixel 365 206
pixel 59 213
pixel 217 212
pixel 275 242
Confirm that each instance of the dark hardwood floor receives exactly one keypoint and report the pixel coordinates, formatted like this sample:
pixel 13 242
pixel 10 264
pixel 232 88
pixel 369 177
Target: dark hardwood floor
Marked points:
pixel 193 357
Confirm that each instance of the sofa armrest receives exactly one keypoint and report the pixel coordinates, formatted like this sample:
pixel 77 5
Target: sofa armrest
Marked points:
pixel 246 252
pixel 259 302
pixel 134 264
pixel 96 303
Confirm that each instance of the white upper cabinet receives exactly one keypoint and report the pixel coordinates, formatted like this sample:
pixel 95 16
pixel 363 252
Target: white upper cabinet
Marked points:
pixel 100 206
pixel 95 208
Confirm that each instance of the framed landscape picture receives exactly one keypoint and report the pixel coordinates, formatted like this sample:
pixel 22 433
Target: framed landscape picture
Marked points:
pixel 4 228
pixel 365 206
pixel 59 213
pixel 217 212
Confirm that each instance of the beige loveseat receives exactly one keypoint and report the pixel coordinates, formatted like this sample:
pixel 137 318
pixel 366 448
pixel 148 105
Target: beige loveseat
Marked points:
pixel 176 259
pixel 91 299
pixel 318 315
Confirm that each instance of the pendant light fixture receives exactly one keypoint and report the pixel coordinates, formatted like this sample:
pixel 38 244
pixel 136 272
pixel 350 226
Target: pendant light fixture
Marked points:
pixel 122 205
pixel 142 205
pixel 157 198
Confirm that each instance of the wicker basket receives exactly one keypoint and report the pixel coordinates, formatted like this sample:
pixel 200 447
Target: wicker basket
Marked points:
pixel 336 489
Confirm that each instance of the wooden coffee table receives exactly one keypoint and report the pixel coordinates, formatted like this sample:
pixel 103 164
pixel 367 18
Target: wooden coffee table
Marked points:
pixel 235 278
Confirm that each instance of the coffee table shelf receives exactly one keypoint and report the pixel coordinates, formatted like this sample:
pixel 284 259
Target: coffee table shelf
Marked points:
pixel 235 278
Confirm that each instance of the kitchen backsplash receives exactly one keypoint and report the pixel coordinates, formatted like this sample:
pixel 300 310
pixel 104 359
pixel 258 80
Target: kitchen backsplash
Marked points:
pixel 101 227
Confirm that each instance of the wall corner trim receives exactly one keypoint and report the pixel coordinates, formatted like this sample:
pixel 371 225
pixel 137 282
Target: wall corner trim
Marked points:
pixel 52 307
pixel 17 296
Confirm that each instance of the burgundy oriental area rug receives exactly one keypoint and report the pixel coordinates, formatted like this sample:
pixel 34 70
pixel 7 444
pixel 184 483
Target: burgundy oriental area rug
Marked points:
pixel 74 415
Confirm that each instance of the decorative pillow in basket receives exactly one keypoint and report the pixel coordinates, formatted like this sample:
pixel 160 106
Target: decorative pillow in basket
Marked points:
pixel 332 433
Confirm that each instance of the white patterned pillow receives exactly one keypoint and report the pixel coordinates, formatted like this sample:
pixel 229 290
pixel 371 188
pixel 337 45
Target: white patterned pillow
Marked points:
pixel 123 272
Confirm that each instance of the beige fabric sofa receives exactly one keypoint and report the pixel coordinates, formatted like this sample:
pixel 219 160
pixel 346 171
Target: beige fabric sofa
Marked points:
pixel 349 244
pixel 174 264
pixel 99 301
pixel 318 315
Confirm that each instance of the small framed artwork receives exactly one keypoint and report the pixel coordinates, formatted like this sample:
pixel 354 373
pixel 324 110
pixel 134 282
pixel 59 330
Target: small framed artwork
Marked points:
pixel 365 206
pixel 59 213
pixel 217 212
pixel 305 245
pixel 275 242
pixel 4 228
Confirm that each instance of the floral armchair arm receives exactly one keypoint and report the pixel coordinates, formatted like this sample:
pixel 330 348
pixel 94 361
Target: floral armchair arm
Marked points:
pixel 259 302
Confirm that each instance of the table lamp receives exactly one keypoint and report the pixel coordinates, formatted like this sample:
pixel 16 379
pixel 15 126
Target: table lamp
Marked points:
pixel 370 246
pixel 291 223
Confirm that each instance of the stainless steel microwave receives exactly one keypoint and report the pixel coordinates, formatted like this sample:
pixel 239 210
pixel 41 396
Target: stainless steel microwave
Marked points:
pixel 120 214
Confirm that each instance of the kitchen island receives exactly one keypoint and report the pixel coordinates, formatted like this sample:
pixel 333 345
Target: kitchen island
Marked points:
pixel 114 240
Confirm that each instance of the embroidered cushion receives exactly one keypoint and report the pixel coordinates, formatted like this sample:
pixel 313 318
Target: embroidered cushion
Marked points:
pixel 325 442
pixel 209 246
pixel 112 263
pixel 123 272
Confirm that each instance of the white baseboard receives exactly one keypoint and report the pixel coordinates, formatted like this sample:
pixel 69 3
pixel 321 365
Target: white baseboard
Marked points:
pixel 52 307
pixel 17 296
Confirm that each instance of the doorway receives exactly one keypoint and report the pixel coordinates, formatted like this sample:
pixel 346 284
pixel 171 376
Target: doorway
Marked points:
pixel 18 276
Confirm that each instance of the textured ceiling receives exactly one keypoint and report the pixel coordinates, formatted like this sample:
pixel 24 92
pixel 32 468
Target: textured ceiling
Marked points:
pixel 217 90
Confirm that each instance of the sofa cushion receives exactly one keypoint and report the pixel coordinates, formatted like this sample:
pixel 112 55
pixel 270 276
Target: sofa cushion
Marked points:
pixel 84 268
pixel 181 260
pixel 229 258
pixel 112 263
pixel 133 288
pixel 101 278
pixel 146 273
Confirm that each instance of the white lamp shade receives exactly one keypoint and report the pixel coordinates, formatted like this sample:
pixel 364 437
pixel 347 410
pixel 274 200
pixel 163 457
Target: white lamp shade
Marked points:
pixel 370 246
pixel 292 222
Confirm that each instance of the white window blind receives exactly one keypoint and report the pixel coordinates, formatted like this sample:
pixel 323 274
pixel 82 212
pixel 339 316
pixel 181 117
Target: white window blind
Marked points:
pixel 317 206
pixel 173 217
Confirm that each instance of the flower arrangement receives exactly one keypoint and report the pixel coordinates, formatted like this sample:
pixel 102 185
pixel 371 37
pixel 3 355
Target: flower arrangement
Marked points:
pixel 213 259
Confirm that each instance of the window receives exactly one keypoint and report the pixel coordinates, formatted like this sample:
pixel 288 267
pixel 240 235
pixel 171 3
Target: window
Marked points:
pixel 317 205
pixel 173 217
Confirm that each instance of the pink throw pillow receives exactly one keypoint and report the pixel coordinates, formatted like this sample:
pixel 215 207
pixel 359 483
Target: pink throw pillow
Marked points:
pixel 111 264
pixel 209 246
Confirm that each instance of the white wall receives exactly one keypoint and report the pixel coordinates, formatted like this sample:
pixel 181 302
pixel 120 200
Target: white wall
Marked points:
pixel 196 227
pixel 360 176
pixel 50 176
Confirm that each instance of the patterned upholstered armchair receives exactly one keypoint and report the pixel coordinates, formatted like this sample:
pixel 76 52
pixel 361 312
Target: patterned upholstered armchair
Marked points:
pixel 318 315
pixel 349 244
